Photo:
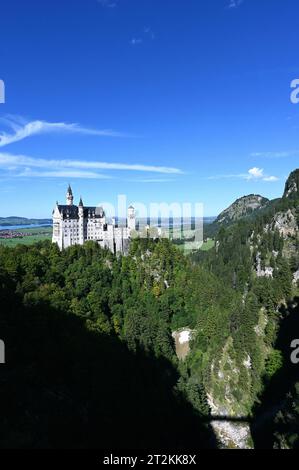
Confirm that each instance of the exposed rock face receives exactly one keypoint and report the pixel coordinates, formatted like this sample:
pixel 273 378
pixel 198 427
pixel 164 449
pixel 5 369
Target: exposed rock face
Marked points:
pixel 230 432
pixel 296 277
pixel 229 411
pixel 267 272
pixel 292 185
pixel 286 223
pixel 241 208
pixel 232 435
pixel 182 342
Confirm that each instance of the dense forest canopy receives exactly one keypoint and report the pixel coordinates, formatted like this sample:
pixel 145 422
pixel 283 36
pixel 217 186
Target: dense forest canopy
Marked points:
pixel 90 348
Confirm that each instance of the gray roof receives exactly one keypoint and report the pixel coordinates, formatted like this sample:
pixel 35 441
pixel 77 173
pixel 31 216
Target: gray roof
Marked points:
pixel 73 213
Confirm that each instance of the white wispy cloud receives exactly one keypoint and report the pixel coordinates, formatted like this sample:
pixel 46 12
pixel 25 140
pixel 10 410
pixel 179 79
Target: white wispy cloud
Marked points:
pixel 270 178
pixel 11 162
pixel 255 174
pixel 234 3
pixel 282 154
pixel 22 130
pixel 153 180
pixel 136 41
pixel 149 32
pixel 144 36
pixel 107 3
pixel 29 173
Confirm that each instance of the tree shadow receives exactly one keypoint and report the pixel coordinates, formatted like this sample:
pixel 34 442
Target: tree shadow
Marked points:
pixel 264 426
pixel 64 386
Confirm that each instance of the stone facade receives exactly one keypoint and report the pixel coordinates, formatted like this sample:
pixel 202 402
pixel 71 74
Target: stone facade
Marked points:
pixel 74 225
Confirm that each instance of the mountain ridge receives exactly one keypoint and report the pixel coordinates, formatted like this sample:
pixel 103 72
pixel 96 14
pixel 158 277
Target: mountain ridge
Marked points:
pixel 16 220
pixel 249 206
pixel 242 207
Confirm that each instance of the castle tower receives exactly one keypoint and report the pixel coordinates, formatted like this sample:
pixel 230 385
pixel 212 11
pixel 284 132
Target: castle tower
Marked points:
pixel 69 196
pixel 57 236
pixel 81 221
pixel 131 218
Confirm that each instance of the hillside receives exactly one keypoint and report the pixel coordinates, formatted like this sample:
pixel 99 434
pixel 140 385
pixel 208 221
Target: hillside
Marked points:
pixel 258 257
pixel 253 207
pixel 104 329
pixel 242 207
pixel 90 357
pixel 15 220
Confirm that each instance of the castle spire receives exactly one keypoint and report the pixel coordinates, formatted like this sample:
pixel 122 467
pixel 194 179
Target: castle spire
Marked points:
pixel 69 196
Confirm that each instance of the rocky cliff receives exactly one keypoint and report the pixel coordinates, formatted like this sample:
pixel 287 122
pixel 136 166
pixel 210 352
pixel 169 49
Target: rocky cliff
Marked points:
pixel 242 207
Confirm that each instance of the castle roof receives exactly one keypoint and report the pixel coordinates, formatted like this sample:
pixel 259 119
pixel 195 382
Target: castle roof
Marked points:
pixel 72 212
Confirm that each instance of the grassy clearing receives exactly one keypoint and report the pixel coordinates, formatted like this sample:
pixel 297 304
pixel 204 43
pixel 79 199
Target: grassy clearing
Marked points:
pixel 36 235
pixel 208 245
pixel 188 247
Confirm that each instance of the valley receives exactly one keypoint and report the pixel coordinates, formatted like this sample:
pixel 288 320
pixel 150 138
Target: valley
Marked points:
pixel 213 327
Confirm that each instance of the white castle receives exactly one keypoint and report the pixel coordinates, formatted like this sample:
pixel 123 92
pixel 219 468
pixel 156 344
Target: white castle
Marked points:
pixel 74 225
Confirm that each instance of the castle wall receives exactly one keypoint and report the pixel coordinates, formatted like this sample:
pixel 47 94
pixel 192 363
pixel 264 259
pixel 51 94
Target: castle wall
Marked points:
pixel 77 225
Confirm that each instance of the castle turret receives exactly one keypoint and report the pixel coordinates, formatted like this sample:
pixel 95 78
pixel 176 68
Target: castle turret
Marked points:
pixel 57 234
pixel 131 218
pixel 80 206
pixel 69 196
pixel 81 221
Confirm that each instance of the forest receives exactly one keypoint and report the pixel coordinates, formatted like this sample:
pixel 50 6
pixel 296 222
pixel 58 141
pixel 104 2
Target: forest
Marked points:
pixel 90 357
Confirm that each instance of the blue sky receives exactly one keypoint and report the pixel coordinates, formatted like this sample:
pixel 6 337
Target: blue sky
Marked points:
pixel 161 100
